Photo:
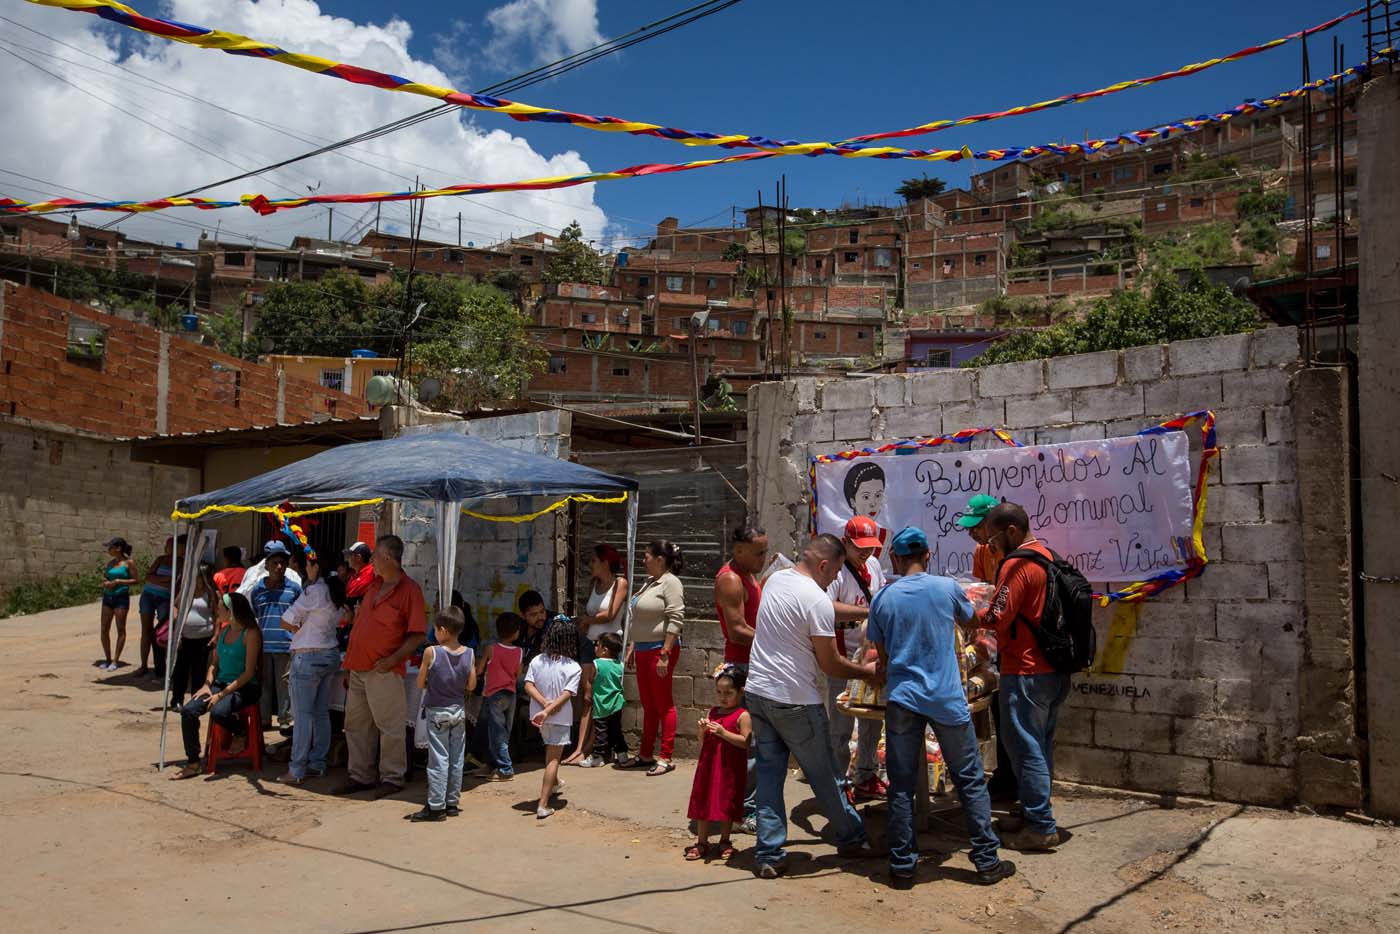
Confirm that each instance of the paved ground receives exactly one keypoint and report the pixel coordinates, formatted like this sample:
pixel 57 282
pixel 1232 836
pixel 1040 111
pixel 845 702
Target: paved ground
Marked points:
pixel 95 838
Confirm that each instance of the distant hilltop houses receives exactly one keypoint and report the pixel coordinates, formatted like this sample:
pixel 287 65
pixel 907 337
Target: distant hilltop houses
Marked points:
pixel 927 283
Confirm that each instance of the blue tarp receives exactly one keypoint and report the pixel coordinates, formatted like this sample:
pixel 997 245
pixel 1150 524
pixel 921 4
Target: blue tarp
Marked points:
pixel 433 466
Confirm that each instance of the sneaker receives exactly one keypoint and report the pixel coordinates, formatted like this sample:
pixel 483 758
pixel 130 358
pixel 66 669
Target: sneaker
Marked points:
pixel 1004 869
pixel 111 667
pixel 901 881
pixel 453 811
pixel 558 788
pixel 499 776
pixel 871 788
pixel 770 870
pixel 542 813
pixel 591 762
pixel 749 826
pixel 1028 840
pixel 427 815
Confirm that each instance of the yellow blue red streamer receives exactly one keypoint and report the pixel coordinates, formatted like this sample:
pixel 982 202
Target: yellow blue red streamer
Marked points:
pixel 235 44
pixel 1130 593
pixel 264 205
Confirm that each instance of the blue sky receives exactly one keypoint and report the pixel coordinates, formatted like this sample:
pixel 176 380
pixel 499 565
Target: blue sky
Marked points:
pixel 823 69
pixel 812 70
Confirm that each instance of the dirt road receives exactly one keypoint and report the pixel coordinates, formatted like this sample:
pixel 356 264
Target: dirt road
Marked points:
pixel 94 839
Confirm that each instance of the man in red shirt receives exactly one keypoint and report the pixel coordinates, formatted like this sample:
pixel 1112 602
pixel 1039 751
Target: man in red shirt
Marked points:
pixel 228 579
pixel 1031 689
pixel 361 571
pixel 389 625
pixel 737 592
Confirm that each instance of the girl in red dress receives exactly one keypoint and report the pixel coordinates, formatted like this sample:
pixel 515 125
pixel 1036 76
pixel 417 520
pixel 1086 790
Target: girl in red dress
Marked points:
pixel 717 797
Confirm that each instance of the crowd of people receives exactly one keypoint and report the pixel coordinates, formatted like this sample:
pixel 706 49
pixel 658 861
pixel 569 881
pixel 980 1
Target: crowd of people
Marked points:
pixel 326 651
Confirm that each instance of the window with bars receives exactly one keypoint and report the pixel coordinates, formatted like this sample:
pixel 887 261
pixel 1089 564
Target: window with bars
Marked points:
pixel 333 378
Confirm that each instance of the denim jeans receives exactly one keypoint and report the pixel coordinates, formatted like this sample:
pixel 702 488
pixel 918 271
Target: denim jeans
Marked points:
pixel 904 756
pixel 1030 705
pixel 224 713
pixel 310 683
pixel 447 747
pixel 842 726
pixel 800 730
pixel 500 718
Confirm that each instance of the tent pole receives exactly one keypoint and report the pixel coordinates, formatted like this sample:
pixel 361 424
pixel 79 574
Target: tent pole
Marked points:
pixel 169 643
pixel 631 566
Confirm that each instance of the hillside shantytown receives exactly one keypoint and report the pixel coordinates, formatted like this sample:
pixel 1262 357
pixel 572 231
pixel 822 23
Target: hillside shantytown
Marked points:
pixel 1006 543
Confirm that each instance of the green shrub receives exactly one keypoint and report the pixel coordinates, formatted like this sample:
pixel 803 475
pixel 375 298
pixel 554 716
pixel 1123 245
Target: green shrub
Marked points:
pixel 51 593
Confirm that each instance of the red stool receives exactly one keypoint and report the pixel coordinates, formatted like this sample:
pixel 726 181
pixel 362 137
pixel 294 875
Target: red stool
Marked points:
pixel 219 738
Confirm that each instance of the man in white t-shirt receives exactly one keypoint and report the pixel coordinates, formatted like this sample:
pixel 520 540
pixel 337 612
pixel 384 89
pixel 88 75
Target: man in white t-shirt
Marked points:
pixel 859 579
pixel 794 646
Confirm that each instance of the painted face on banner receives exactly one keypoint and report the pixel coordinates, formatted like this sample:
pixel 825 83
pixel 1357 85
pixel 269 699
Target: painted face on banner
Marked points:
pixel 870 498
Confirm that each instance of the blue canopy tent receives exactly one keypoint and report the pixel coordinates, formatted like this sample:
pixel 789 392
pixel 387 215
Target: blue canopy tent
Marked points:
pixel 455 472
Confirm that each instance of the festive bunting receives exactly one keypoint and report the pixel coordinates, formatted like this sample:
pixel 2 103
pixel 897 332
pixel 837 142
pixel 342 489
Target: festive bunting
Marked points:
pixel 264 205
pixel 284 513
pixel 1130 593
pixel 235 44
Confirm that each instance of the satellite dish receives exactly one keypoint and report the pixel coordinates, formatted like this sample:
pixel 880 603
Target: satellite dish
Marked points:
pixel 429 389
pixel 386 390
pixel 471 243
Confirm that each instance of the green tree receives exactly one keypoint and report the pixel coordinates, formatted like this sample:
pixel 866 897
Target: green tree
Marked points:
pixel 923 187
pixel 483 353
pixel 735 252
pixel 1163 309
pixel 225 330
pixel 575 261
pixel 330 316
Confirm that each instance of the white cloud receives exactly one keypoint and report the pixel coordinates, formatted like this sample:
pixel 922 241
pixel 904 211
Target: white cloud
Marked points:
pixel 58 133
pixel 452 51
pixel 547 29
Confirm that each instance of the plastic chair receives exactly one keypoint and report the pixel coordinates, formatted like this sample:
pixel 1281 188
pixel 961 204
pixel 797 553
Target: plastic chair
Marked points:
pixel 219 738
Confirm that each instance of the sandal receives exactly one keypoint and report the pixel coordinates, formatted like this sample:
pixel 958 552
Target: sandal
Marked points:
pixel 189 770
pixel 635 762
pixel 694 852
pixel 726 850
pixel 661 767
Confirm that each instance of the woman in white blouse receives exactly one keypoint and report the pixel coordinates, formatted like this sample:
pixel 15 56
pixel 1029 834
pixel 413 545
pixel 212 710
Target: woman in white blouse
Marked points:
pixel 313 619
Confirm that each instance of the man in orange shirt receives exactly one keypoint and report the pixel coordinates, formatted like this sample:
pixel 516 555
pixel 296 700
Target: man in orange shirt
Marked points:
pixel 1031 689
pixel 389 625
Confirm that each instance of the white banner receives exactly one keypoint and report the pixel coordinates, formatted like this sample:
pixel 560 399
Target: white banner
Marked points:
pixel 1120 509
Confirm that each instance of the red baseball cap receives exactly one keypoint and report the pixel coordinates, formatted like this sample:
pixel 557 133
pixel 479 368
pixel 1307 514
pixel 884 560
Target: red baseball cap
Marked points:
pixel 863 532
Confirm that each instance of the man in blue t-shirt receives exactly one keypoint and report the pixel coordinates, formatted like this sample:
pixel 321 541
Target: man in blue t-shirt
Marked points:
pixel 912 624
pixel 270 598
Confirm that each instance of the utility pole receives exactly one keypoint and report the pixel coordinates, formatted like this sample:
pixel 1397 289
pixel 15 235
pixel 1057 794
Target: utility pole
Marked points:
pixel 330 223
pixel 459 228
pixel 763 248
pixel 377 206
pixel 695 377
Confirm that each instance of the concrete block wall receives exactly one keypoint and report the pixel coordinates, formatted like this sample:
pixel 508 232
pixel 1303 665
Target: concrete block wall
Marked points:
pixel 64 494
pixel 1227 680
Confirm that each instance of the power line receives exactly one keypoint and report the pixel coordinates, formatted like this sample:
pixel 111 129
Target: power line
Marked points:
pixel 154 126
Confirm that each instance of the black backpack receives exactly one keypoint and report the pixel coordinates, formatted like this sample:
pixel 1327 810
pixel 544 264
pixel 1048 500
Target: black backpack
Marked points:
pixel 1065 632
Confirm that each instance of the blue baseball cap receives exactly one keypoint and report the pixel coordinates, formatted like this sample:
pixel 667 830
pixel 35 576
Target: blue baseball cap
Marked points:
pixel 275 547
pixel 909 541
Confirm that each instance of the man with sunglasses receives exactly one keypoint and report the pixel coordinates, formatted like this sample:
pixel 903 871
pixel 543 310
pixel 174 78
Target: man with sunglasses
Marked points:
pixel 1031 689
